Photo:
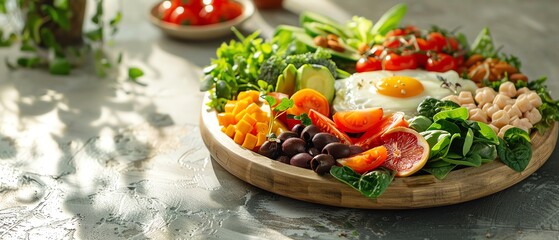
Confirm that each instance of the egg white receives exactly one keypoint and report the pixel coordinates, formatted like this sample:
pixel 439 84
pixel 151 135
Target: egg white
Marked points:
pixel 359 91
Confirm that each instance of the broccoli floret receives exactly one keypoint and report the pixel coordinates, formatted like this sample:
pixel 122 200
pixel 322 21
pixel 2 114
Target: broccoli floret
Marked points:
pixel 274 66
pixel 320 57
pixel 271 69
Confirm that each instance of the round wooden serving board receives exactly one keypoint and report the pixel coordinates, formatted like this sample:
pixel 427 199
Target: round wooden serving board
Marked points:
pixel 403 193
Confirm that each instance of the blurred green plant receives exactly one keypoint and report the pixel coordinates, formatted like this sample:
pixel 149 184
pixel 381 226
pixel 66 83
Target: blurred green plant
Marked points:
pixel 52 37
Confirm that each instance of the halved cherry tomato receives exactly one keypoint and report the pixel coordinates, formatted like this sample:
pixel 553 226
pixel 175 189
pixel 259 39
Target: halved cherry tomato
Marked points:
pixel 366 64
pixel 357 121
pixel 184 16
pixel 372 139
pixel 440 62
pixel 326 125
pixel 397 62
pixel 365 161
pixel 306 99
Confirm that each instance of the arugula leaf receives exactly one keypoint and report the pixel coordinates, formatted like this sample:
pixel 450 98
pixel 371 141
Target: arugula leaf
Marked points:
pixel 371 184
pixel 515 149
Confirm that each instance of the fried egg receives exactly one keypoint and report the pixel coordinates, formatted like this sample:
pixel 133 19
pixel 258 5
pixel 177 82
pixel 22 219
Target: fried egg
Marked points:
pixel 396 90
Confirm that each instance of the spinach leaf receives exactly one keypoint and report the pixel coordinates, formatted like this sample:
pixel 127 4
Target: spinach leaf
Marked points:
pixel 483 133
pixel 515 149
pixel 447 125
pixel 457 113
pixel 420 123
pixel 440 172
pixel 431 106
pixel 468 141
pixel 471 160
pixel 487 152
pixel 438 140
pixel 371 184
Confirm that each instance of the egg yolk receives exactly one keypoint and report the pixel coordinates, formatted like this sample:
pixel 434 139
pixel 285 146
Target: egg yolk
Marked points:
pixel 399 86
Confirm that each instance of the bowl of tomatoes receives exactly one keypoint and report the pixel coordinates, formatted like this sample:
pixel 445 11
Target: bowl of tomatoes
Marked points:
pixel 200 19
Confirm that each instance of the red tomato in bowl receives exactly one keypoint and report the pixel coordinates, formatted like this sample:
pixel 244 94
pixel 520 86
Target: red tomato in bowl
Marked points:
pixel 184 16
pixel 210 15
pixel 231 10
pixel 165 9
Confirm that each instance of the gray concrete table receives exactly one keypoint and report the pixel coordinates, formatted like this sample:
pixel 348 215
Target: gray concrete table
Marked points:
pixel 89 158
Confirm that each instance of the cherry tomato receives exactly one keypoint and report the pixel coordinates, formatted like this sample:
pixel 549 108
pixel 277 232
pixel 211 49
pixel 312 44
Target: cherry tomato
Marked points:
pixel 396 32
pixel 326 125
pixel 376 50
pixel 231 10
pixel 165 10
pixel 357 121
pixel 437 40
pixel 392 42
pixel 184 16
pixel 396 62
pixel 210 15
pixel 421 57
pixel 440 62
pixel 372 139
pixel 365 161
pixel 366 64
pixel 451 45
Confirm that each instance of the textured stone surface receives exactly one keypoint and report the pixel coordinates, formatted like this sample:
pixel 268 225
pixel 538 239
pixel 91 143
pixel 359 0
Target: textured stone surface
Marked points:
pixel 88 158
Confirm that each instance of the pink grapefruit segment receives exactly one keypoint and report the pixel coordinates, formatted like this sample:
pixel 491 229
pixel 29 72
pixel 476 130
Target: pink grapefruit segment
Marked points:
pixel 407 151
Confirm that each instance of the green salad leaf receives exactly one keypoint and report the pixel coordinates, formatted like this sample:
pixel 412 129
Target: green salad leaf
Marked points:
pixel 515 149
pixel 390 19
pixel 371 184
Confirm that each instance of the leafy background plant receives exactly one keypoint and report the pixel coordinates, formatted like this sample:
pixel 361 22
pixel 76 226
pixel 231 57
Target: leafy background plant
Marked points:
pixel 52 38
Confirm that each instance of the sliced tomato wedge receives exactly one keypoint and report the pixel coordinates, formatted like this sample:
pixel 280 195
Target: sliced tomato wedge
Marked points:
pixel 326 125
pixel 358 121
pixel 371 138
pixel 365 161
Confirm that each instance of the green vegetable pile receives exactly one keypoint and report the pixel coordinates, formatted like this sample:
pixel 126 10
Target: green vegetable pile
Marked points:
pixel 456 141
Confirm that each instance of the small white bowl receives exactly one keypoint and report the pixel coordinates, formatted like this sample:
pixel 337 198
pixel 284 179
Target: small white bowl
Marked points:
pixel 202 32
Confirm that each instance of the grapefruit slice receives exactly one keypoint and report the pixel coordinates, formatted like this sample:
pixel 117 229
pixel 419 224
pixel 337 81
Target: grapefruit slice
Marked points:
pixel 407 151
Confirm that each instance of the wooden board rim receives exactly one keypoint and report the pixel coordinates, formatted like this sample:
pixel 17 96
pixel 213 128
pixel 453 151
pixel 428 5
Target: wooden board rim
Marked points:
pixel 404 193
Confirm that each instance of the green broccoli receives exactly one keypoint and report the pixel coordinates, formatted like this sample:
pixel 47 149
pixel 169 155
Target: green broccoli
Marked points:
pixel 274 66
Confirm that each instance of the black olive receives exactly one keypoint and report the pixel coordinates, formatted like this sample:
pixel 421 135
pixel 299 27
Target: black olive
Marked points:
pixel 308 133
pixel 354 149
pixel 322 163
pixel 293 146
pixel 337 150
pixel 287 135
pixel 271 149
pixel 313 151
pixel 301 160
pixel 322 139
pixel 298 128
pixel 283 159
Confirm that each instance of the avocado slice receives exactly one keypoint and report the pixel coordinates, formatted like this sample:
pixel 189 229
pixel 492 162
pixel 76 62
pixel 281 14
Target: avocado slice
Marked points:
pixel 286 81
pixel 317 77
pixel 288 28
